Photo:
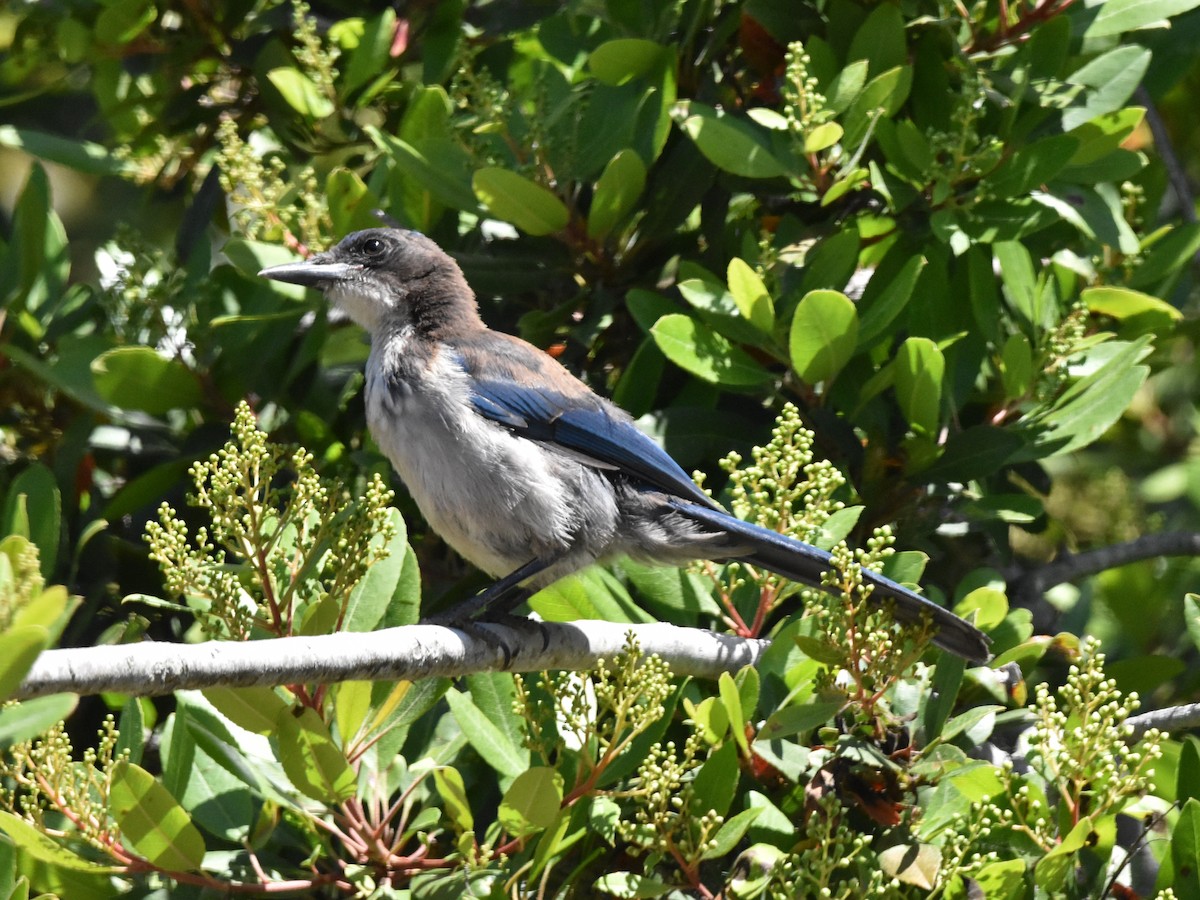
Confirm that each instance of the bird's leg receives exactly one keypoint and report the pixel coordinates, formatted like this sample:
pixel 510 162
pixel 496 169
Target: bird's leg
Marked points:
pixel 504 595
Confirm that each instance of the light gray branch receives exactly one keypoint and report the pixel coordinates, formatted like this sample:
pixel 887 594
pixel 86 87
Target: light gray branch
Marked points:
pixel 410 652
pixel 1170 719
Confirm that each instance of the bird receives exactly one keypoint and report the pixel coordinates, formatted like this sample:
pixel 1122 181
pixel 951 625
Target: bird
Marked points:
pixel 522 468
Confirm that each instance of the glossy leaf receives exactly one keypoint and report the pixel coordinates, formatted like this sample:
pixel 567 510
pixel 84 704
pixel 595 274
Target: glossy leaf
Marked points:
pixel 751 295
pixel 45 849
pixel 256 709
pixel 699 350
pixel 920 368
pixel 730 144
pixel 616 62
pixel 915 864
pixel 141 378
pixel 22 645
pixel 454 795
pixel 1125 303
pixel 152 822
pixel 313 762
pixel 513 198
pixel 301 92
pixel 531 802
pixel 33 497
pixel 486 737
pixel 824 335
pixel 29 718
pixel 1118 16
pixel 616 194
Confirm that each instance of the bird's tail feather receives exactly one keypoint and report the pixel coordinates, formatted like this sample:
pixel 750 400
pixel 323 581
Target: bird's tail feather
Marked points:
pixel 802 562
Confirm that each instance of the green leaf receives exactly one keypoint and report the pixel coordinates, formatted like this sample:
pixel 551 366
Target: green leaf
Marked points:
pixel 883 95
pixel 837 527
pixel 1118 16
pixel 1033 165
pixel 301 93
pixel 22 645
pixel 939 701
pixel 1187 779
pixel 512 198
pixel 697 349
pixel 42 512
pixel 716 781
pixel 1191 617
pixel 1091 405
pixel 531 802
pixel 1016 366
pixel 351 203
pixel 920 368
pixel 152 822
pixel 1104 134
pixel 880 39
pixel 352 705
pixel 824 335
pixel 628 886
pixel 1020 282
pixel 982 718
pixel 792 720
pixel 369 600
pixel 822 137
pixel 1111 79
pixel 718 309
pixel 29 718
pixel 256 709
pixel 370 53
pixel 732 701
pixel 1053 869
pixel 750 294
pixel 140 378
pixel 618 61
pixel 313 762
pixel 454 795
pixel 1166 257
pixel 1125 303
pixel 617 192
pixel 915 864
pixel 978 452
pixel 82 156
pixel 1185 850
pixel 488 740
pixel 1004 880
pixel 730 144
pixel 44 848
pixel 438 164
pixel 731 832
pixel 882 304
pixel 120 23
pixel 990 604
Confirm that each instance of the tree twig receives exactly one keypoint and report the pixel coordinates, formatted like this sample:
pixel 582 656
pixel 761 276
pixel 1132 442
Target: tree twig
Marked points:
pixel 1170 719
pixel 1071 566
pixel 410 652
pixel 1176 172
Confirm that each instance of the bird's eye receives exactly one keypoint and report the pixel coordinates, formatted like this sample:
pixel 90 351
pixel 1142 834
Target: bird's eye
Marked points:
pixel 372 246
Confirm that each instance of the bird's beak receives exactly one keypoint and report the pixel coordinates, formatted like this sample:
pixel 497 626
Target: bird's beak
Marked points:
pixel 314 272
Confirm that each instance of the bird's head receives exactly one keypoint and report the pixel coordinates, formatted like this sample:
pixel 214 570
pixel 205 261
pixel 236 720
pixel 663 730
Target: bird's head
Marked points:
pixel 388 278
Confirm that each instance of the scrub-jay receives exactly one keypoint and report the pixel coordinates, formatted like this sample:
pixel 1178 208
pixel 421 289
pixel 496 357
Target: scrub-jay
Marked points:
pixel 519 465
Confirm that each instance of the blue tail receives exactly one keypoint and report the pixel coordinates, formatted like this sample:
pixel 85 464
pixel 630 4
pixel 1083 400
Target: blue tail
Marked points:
pixel 802 562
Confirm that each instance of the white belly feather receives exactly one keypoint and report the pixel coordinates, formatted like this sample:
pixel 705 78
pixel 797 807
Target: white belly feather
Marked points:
pixel 488 493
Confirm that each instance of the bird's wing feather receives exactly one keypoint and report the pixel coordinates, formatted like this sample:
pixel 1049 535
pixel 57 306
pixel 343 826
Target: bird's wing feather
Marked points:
pixel 577 421
pixel 590 431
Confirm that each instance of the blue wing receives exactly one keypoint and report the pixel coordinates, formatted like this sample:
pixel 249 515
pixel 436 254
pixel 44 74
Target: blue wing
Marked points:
pixel 587 427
